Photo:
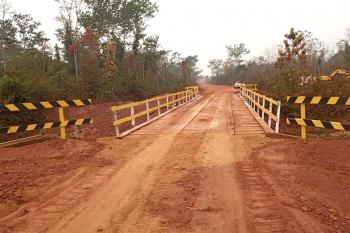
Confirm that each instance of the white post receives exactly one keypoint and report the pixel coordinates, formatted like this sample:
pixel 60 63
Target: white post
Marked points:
pixel 263 112
pixel 174 101
pixel 257 106
pixel 132 111
pixel 147 109
pixel 167 102
pixel 158 102
pixel 277 129
pixel 117 132
pixel 270 110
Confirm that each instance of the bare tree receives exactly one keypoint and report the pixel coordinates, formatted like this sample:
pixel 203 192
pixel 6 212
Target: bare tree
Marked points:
pixel 69 17
pixel 5 8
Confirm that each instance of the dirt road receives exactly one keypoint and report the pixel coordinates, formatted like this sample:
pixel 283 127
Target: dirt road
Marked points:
pixel 207 167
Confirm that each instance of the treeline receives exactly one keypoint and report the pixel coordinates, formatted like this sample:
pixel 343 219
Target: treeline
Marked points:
pixel 104 54
pixel 292 68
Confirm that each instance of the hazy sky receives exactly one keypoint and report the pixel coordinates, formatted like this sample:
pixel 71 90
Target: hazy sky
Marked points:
pixel 205 27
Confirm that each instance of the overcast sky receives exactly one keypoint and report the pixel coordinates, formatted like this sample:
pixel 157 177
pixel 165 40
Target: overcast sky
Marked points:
pixel 205 27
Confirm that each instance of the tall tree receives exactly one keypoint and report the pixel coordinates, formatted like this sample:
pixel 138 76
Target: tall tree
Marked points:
pixel 236 52
pixel 69 33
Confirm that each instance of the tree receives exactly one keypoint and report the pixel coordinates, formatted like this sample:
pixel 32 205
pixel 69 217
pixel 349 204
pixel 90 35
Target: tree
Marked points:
pixel 28 35
pixel 236 52
pixel 68 34
pixel 119 19
pixel 292 59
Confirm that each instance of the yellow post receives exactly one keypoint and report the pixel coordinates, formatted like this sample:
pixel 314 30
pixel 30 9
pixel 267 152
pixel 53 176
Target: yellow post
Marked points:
pixel 63 129
pixel 303 116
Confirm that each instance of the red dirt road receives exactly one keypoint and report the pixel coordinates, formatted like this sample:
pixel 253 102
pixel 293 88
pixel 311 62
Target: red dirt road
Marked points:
pixel 206 167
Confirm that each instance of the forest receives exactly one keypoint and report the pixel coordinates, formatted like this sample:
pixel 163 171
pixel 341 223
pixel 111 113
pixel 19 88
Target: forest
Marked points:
pixel 103 53
pixel 293 67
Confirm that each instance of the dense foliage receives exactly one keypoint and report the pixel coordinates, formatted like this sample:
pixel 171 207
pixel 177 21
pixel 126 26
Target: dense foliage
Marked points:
pixel 104 54
pixel 292 68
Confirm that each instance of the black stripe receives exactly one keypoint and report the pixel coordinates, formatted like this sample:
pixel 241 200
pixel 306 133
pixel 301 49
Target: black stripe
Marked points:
pixel 308 99
pixel 4 130
pixel 87 121
pixel 324 100
pixel 22 128
pixel 21 107
pixel 342 100
pixel 40 126
pixel 55 104
pixel 292 99
pixel 309 122
pixel 347 127
pixel 3 109
pixel 56 125
pixel 292 121
pixel 72 122
pixel 327 125
pixel 71 103
pixel 86 102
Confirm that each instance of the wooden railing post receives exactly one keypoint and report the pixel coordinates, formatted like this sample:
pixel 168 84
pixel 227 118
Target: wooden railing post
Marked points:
pixel 147 109
pixel 117 131
pixel 270 110
pixel 158 103
pixel 167 102
pixel 263 112
pixel 61 117
pixel 132 113
pixel 277 128
pixel 303 117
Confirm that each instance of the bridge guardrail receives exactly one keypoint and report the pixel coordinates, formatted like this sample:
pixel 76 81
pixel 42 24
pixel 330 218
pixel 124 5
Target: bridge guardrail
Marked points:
pixel 316 100
pixel 171 102
pixel 264 106
pixel 62 123
pixel 252 87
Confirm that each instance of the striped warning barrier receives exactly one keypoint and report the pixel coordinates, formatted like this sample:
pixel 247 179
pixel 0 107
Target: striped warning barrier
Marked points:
pixel 44 105
pixel 62 123
pixel 319 124
pixel 316 100
pixel 47 125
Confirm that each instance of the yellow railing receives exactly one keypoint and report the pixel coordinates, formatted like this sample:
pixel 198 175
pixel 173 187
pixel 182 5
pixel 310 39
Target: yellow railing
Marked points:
pixel 264 106
pixel 253 87
pixel 168 102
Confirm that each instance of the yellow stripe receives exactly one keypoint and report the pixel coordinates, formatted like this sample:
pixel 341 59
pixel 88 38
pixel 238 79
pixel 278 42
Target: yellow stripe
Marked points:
pixel 79 122
pixel 300 122
pixel 316 99
pixel 333 100
pixel 64 123
pixel 46 104
pixel 337 125
pixel 348 102
pixel 12 107
pixel 31 127
pixel 30 106
pixel 78 102
pixel 63 103
pixel 318 123
pixel 300 99
pixel 90 100
pixel 288 122
pixel 48 125
pixel 13 129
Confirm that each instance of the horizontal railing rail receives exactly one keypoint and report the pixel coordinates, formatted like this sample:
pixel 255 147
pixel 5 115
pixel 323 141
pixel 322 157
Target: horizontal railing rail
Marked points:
pixel 316 100
pixel 267 108
pixel 167 102
pixel 62 123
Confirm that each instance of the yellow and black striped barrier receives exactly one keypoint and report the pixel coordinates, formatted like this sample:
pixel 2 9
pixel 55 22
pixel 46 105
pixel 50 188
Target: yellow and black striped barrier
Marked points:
pixel 48 125
pixel 62 123
pixel 316 100
pixel 319 124
pixel 44 105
